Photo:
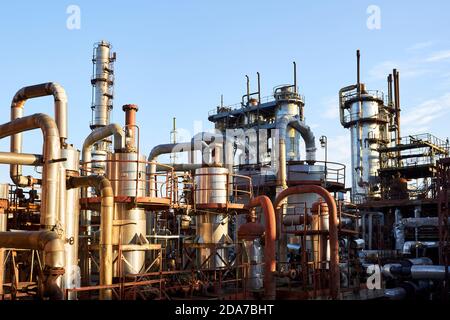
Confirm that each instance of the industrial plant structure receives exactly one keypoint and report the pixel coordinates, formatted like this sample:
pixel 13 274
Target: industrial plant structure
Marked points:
pixel 251 214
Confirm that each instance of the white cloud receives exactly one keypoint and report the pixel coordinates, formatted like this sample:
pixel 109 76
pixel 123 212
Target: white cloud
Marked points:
pixel 408 69
pixel 418 118
pixel 420 46
pixel 438 56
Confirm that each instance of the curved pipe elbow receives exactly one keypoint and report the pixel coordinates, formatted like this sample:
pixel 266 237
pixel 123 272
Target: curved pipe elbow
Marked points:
pixel 269 248
pixel 341 102
pixel 100 134
pixel 333 229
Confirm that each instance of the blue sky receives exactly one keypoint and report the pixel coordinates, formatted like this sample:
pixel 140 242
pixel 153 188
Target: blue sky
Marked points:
pixel 175 58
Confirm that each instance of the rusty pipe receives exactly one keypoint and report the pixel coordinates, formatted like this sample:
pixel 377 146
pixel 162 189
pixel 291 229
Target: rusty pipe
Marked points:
pixel 103 187
pixel 51 156
pixel 333 232
pixel 17 105
pixel 53 253
pixel 269 246
pixel 130 123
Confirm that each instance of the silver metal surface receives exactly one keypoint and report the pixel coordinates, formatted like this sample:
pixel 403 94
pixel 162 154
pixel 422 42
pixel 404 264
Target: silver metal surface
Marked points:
pixel 211 185
pixel 427 272
pixel 253 257
pixel 50 175
pixel 212 229
pixel 103 81
pixel 127 173
pixel 17 106
pixel 71 214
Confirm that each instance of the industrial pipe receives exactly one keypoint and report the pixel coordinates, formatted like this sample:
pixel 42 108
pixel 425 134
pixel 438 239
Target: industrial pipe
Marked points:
pixel 17 105
pixel 53 253
pixel 333 232
pixel 21 158
pixel 307 135
pixel 98 135
pixel 167 149
pixel 103 187
pixel 341 101
pixel 269 246
pixel 51 157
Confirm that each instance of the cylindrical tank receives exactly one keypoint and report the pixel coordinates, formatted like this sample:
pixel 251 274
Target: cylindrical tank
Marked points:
pixel 212 231
pixel 126 171
pixel 102 81
pixel 211 185
pixel 72 276
pixel 290 104
pixel 367 123
pixel 254 259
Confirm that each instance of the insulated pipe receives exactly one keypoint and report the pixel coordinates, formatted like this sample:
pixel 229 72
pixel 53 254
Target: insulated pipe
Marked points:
pixel 51 156
pixel 53 253
pixel 21 159
pixel 307 135
pixel 17 105
pixel 333 229
pixel 103 187
pixel 166 149
pixel 269 247
pixel 98 135
pixel 409 245
pixel 341 102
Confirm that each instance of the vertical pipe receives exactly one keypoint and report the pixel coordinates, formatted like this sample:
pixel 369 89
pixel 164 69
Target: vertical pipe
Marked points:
pixel 103 187
pixel 358 71
pixel 248 87
pixel 333 229
pixel 295 76
pixel 269 246
pixel 130 124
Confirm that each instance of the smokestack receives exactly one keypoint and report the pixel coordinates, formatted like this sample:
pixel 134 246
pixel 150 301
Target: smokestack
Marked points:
pixel 130 125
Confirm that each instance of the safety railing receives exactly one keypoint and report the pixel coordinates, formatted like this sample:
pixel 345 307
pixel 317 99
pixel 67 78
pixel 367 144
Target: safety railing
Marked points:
pixel 137 178
pixel 374 93
pixel 236 188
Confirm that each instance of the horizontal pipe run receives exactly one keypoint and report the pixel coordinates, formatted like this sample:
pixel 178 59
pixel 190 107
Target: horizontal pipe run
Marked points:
pixel 52 247
pixel 25 159
pixel 51 156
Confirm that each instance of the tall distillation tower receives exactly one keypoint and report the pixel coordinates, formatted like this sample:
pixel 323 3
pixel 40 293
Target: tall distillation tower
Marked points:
pixel 102 99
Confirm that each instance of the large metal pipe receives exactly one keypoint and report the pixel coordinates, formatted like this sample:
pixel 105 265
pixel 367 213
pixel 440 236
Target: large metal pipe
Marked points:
pixel 98 135
pixel 428 272
pixel 21 158
pixel 308 136
pixel 167 149
pixel 341 102
pixel 17 105
pixel 333 229
pixel 269 246
pixel 53 253
pixel 51 156
pixel 103 187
